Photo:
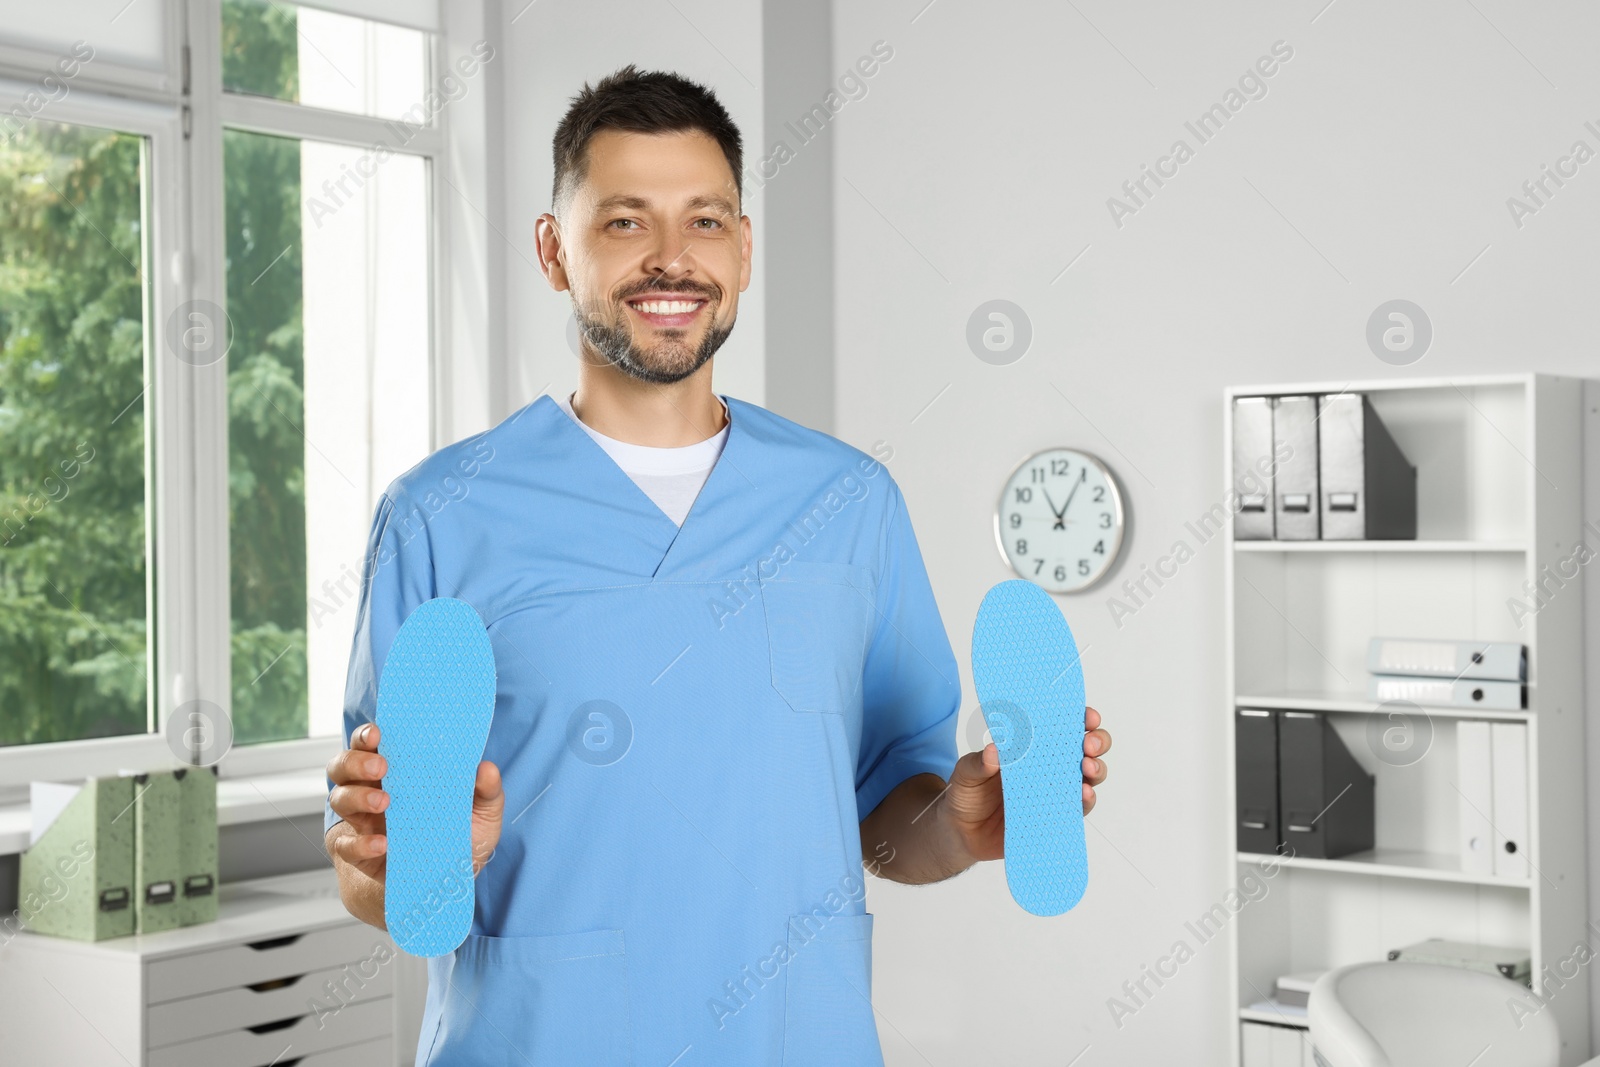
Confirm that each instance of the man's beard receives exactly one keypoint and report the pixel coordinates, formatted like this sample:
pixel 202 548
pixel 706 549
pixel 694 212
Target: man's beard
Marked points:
pixel 669 360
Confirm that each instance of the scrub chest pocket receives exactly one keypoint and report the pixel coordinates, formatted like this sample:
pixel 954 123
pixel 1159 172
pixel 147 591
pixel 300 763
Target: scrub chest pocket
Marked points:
pixel 819 619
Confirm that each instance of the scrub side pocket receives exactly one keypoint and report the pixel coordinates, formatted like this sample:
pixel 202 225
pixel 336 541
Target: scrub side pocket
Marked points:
pixel 557 999
pixel 828 999
pixel 819 617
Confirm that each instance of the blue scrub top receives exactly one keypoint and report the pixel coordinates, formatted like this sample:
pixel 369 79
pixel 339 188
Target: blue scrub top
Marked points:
pixel 690 724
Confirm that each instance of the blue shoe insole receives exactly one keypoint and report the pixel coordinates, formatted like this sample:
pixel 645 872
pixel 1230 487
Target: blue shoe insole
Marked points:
pixel 435 704
pixel 1030 689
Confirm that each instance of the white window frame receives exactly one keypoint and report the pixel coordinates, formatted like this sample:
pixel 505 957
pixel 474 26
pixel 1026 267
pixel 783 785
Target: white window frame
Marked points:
pixel 165 229
pixel 183 112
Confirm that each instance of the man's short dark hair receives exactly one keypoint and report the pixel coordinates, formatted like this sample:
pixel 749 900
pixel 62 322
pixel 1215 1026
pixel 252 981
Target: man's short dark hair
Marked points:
pixel 649 101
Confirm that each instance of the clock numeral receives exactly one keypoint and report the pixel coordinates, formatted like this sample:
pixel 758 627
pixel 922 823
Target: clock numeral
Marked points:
pixel 1083 566
pixel 1105 520
pixel 1100 547
pixel 1061 574
pixel 1016 519
pixel 1038 565
pixel 1022 546
pixel 1099 494
pixel 1024 494
pixel 1038 473
pixel 1083 475
pixel 1058 466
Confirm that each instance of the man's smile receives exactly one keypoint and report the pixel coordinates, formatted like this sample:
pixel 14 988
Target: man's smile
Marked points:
pixel 667 310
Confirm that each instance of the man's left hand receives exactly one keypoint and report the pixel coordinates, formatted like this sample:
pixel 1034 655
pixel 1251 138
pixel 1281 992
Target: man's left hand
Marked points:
pixel 975 807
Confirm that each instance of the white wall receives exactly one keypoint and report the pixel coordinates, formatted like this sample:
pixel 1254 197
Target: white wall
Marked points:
pixel 550 51
pixel 1376 167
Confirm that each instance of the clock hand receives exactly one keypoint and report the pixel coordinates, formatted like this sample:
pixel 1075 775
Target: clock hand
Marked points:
pixel 1068 504
pixel 1047 500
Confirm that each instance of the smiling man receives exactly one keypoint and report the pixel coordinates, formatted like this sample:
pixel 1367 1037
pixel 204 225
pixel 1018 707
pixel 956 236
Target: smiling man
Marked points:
pixel 725 694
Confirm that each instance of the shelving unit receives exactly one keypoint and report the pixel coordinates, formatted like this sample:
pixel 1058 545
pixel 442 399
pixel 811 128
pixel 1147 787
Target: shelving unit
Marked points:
pixel 1499 497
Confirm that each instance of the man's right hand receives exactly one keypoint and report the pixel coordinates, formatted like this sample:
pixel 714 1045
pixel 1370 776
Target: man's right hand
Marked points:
pixel 358 798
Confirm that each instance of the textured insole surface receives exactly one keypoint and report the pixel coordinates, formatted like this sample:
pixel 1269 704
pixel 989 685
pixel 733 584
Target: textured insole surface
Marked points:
pixel 1030 688
pixel 435 703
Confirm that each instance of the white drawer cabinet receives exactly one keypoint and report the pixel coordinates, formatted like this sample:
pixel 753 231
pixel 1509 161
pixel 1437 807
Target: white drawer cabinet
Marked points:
pixel 285 976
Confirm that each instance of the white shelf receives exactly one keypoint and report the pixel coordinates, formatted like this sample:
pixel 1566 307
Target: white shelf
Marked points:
pixel 1383 385
pixel 1392 863
pixel 1379 546
pixel 1355 703
pixel 1279 1018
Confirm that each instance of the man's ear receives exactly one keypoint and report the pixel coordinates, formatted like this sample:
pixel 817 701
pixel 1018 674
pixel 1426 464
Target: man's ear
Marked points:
pixel 747 243
pixel 547 238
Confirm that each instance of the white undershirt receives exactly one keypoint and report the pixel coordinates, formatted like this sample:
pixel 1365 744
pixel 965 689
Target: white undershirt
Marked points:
pixel 671 477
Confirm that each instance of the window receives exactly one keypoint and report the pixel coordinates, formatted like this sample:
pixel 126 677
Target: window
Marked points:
pixel 327 402
pixel 129 456
pixel 322 59
pixel 328 291
pixel 74 610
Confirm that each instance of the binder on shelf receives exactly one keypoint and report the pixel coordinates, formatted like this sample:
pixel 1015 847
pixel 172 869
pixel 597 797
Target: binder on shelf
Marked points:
pixel 1325 797
pixel 1446 692
pixel 1504 661
pixel 1509 756
pixel 157 854
pixel 1512 963
pixel 1474 778
pixel 1256 778
pixel 1294 439
pixel 197 844
pixel 1368 488
pixel 75 879
pixel 1253 465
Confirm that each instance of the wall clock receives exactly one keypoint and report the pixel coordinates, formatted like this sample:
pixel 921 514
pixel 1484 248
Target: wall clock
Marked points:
pixel 1060 519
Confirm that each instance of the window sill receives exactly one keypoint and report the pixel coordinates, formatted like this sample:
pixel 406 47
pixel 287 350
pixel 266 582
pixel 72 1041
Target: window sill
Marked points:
pixel 258 798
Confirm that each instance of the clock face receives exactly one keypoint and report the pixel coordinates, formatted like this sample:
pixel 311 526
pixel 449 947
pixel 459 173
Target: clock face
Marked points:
pixel 1060 519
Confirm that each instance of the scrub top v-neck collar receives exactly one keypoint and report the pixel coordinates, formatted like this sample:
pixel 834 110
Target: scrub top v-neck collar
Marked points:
pixel 667 538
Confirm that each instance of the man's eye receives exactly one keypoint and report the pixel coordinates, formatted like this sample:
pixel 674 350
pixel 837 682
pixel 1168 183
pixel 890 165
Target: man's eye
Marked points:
pixel 713 222
pixel 615 221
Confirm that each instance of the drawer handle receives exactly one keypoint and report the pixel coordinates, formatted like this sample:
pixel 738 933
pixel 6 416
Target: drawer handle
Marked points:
pixel 274 942
pixel 276 983
pixel 281 1024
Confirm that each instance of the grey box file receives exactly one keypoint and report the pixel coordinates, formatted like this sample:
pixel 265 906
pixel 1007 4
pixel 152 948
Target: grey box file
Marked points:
pixel 1258 828
pixel 1368 487
pixel 1296 516
pixel 1326 799
pixel 1504 661
pixel 1253 465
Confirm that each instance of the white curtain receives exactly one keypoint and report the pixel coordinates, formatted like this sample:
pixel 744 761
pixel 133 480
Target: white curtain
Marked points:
pixel 128 34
